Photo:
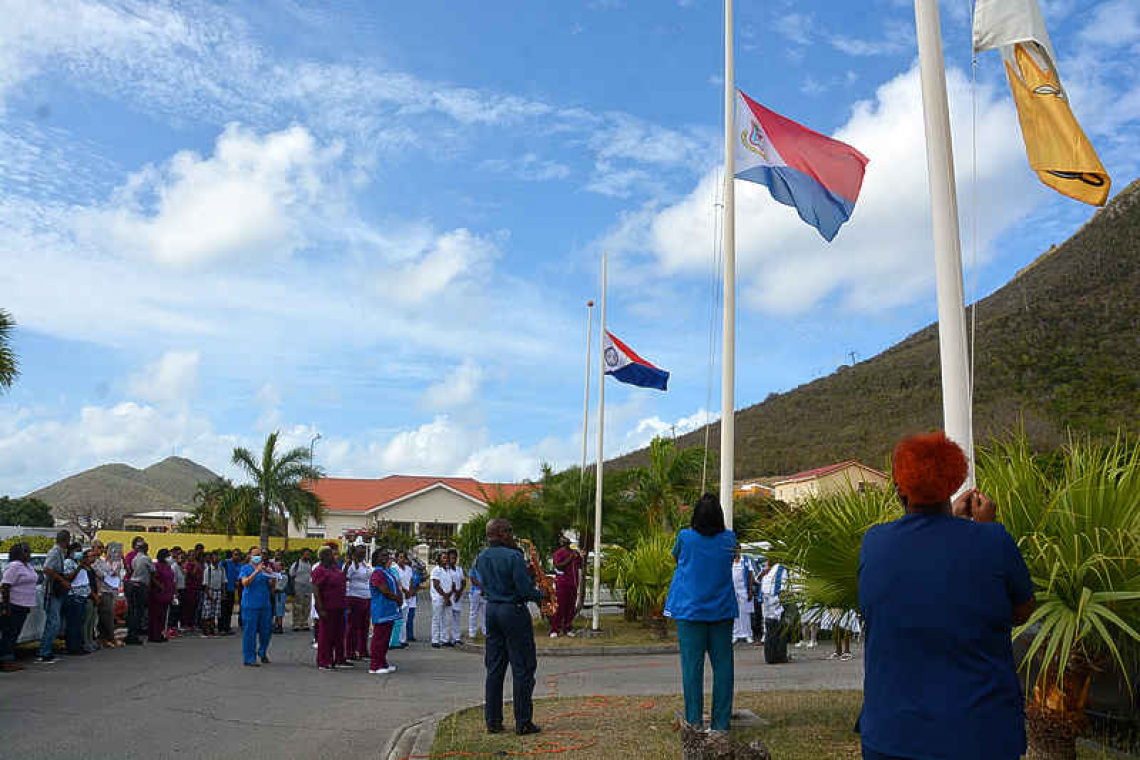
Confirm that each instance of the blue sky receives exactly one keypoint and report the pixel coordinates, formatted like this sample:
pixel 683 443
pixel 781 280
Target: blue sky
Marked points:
pixel 382 221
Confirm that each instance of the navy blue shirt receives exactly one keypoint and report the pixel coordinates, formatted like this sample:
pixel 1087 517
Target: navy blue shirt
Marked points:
pixel 502 571
pixel 937 594
pixel 702 589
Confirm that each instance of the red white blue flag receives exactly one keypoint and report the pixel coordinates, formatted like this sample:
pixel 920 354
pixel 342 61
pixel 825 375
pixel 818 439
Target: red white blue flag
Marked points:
pixel 628 367
pixel 818 176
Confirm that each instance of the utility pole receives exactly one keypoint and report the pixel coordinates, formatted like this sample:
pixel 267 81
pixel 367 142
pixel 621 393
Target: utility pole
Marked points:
pixel 852 354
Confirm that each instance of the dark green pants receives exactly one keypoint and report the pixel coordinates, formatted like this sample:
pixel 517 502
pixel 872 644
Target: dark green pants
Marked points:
pixel 696 639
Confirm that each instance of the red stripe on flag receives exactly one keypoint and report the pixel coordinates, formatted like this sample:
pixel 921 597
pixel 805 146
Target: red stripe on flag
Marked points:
pixel 835 165
pixel 629 351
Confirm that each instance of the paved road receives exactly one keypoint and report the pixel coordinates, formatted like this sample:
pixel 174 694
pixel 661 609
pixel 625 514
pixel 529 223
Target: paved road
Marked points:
pixel 191 698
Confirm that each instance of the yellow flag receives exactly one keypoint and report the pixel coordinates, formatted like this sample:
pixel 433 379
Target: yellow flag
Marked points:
pixel 1057 148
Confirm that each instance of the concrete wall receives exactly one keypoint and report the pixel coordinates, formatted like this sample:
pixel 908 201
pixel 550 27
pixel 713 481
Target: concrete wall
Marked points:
pixel 848 478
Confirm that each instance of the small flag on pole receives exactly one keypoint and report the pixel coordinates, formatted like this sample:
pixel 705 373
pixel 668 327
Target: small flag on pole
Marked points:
pixel 818 176
pixel 1057 147
pixel 628 367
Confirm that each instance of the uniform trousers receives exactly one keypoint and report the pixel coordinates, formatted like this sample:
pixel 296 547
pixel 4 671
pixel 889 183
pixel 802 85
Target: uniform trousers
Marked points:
pixel 510 640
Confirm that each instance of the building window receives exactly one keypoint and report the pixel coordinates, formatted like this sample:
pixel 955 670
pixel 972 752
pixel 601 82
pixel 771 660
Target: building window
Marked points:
pixel 437 534
pixel 314 533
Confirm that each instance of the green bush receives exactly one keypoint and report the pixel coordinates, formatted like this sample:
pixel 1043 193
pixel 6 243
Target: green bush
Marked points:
pixel 39 544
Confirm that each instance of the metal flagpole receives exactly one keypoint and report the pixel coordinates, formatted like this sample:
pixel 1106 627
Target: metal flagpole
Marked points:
pixel 728 354
pixel 947 242
pixel 586 394
pixel 601 451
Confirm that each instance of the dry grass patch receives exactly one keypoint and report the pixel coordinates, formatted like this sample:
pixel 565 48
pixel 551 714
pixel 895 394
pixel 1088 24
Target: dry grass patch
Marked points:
pixel 801 725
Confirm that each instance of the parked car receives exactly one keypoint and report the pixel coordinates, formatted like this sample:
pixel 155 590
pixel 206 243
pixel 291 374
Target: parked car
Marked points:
pixel 34 624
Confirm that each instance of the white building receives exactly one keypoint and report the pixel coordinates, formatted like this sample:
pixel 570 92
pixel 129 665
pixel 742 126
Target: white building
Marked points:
pixel 428 507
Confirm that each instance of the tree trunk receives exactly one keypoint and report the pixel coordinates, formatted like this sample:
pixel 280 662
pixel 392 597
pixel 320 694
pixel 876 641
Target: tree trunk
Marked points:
pixel 264 523
pixel 1055 718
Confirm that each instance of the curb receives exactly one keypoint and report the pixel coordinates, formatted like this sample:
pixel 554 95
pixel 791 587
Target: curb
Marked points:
pixel 598 651
pixel 414 739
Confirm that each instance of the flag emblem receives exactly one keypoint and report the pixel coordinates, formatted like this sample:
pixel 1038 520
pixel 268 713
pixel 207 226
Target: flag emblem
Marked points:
pixel 753 139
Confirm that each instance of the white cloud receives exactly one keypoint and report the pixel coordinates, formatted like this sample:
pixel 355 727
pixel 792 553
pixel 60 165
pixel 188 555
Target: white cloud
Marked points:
pixel 453 256
pixel 249 199
pixel 888 239
pixel 897 37
pixel 172 379
pixel 796 27
pixel 649 428
pixel 457 388
pixel 1114 23
pixel 529 168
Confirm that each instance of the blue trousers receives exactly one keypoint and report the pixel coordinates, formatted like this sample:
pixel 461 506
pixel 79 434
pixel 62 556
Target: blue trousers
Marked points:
pixel 695 640
pixel 411 624
pixel 53 605
pixel 256 630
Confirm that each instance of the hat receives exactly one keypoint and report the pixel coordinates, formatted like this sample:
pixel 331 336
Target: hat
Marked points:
pixel 928 468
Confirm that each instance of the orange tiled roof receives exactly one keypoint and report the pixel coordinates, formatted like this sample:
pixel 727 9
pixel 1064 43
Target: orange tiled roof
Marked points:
pixel 819 472
pixel 366 494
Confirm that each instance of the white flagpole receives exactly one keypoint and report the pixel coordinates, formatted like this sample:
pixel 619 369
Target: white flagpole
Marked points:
pixel 947 242
pixel 728 367
pixel 586 394
pixel 601 452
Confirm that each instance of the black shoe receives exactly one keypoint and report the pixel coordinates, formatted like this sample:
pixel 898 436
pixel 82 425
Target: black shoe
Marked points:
pixel 527 728
pixel 265 660
pixel 495 729
pixel 251 664
pixel 78 653
pixel 436 646
pixel 449 645
pixel 133 642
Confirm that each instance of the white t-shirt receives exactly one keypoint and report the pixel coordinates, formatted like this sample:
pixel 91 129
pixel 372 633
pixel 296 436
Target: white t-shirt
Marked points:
pixel 406 574
pixel 358 577
pixel 458 577
pixel 770 588
pixel 445 579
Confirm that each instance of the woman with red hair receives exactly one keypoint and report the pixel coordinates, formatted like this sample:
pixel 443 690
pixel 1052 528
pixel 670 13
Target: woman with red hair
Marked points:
pixel 940 590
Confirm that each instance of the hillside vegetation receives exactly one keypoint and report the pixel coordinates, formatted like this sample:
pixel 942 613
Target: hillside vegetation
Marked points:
pixel 169 484
pixel 1057 347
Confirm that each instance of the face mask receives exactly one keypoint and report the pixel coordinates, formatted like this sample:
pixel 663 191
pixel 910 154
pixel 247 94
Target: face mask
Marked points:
pixel 255 559
pixel 78 556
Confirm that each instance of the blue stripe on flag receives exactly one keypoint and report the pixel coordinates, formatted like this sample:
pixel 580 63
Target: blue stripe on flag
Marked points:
pixel 816 205
pixel 640 375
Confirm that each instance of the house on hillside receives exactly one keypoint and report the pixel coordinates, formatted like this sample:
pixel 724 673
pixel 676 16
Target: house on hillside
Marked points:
pixel 827 480
pixel 428 507
pixel 742 489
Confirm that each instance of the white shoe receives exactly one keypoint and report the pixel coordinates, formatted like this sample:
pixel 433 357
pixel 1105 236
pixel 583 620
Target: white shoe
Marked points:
pixel 571 634
pixel 554 634
pixel 799 644
pixel 314 645
pixel 748 639
pixel 389 669
pixel 379 672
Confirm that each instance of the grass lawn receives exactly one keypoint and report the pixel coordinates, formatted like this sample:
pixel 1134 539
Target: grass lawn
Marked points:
pixel 615 631
pixel 802 725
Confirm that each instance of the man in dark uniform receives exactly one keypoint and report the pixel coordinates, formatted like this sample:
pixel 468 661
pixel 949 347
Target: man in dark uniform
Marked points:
pixel 508 586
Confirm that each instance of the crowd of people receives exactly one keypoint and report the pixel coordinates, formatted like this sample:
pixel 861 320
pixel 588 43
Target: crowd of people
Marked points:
pixel 357 607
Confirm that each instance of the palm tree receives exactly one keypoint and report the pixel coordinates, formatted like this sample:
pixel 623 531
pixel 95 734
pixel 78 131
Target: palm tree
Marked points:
pixel 670 480
pixel 1079 532
pixel 277 479
pixel 9 367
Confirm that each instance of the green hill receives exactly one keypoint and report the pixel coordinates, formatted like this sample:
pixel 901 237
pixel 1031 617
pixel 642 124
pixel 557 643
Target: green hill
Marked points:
pixel 169 484
pixel 1057 347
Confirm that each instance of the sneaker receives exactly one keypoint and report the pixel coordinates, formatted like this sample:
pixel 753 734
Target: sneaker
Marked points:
pixel 345 664
pixel 391 668
pixel 46 659
pixel 571 634
pixel 325 667
pixel 799 645
pixel 314 645
pixel 265 660
pixel 450 644
pixel 845 656
pixel 527 728
pixel 554 634
pixel 377 672
pixel 749 640
pixel 435 645
pixel 833 656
